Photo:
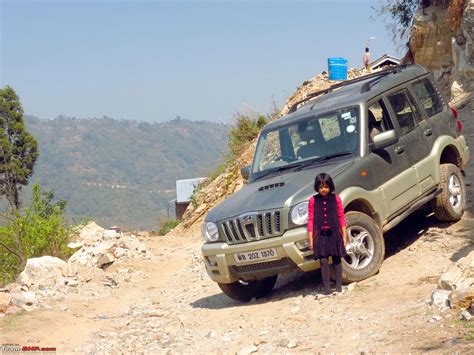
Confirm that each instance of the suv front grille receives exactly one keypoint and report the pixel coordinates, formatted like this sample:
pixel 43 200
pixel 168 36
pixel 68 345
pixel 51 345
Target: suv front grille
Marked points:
pixel 252 226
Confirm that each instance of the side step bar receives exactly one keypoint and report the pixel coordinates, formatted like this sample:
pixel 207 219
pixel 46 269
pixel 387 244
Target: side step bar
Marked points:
pixel 412 209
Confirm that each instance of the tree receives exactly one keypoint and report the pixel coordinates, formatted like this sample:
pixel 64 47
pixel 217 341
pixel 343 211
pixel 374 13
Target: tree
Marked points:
pixel 402 13
pixel 18 148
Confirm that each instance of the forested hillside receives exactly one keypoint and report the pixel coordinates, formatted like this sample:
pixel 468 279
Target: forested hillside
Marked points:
pixel 122 172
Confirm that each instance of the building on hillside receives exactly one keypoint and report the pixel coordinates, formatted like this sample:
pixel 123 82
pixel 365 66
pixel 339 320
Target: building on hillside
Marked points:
pixel 184 191
pixel 384 62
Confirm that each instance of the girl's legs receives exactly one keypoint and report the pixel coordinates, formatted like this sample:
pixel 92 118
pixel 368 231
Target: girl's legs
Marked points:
pixel 338 266
pixel 325 275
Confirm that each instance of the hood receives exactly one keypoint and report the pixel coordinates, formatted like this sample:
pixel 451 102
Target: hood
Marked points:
pixel 276 191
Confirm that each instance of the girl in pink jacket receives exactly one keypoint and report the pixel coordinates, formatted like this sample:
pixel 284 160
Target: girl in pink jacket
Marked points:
pixel 327 229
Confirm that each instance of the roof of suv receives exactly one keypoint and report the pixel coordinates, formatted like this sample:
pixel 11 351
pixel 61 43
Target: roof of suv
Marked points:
pixel 351 92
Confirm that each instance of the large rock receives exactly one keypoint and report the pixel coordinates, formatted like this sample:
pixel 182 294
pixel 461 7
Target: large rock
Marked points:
pixel 23 298
pixel 45 271
pixel 458 283
pixel 91 233
pixel 5 299
pixel 459 274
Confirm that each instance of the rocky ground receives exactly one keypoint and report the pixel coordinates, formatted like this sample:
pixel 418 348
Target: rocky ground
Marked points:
pixel 159 299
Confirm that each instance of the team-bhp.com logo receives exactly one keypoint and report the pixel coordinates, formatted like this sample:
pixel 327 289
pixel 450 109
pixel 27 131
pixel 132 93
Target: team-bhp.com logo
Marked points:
pixel 5 348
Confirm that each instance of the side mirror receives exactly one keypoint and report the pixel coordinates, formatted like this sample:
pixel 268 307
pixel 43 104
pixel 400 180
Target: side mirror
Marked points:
pixel 245 172
pixel 384 139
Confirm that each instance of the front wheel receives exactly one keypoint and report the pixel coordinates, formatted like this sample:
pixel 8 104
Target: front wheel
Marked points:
pixel 245 291
pixel 367 248
pixel 450 203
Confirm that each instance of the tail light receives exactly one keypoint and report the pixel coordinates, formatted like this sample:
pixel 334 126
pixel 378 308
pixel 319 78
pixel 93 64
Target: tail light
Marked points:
pixel 458 123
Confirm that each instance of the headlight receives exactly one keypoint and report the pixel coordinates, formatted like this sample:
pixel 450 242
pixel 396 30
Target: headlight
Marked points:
pixel 299 213
pixel 209 232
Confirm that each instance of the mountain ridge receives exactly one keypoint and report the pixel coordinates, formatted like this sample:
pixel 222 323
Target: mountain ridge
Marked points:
pixel 122 172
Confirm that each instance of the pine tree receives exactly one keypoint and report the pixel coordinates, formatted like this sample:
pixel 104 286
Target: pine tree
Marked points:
pixel 18 148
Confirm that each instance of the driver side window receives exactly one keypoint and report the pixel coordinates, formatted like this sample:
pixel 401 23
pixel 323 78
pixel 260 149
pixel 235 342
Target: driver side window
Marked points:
pixel 377 119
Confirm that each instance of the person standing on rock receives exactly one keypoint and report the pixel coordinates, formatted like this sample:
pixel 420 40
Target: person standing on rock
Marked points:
pixel 366 59
pixel 327 231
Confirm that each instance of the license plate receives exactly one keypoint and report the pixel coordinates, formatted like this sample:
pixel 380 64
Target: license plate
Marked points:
pixel 256 255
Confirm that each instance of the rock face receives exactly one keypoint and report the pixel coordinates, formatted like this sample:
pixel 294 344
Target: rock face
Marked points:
pixel 442 40
pixel 463 48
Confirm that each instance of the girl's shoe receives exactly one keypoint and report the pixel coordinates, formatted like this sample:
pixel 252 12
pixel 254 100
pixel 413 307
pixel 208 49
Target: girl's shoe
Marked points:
pixel 324 294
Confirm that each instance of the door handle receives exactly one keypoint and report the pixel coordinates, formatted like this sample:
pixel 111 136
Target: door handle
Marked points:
pixel 428 132
pixel 400 149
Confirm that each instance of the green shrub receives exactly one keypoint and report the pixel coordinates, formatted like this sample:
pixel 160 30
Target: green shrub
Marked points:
pixel 244 131
pixel 34 231
pixel 168 225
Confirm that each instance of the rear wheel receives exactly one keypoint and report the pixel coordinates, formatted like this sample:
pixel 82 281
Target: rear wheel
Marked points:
pixel 245 291
pixel 367 248
pixel 450 203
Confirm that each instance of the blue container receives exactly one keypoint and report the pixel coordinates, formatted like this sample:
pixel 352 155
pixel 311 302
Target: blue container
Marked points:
pixel 337 68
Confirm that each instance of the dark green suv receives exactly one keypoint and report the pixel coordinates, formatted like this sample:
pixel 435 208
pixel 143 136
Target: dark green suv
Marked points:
pixel 390 143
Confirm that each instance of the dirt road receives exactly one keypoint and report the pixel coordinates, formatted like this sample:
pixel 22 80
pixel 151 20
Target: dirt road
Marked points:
pixel 175 307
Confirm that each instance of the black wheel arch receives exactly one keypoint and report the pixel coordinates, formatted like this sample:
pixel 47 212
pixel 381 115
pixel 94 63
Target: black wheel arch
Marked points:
pixel 451 155
pixel 363 206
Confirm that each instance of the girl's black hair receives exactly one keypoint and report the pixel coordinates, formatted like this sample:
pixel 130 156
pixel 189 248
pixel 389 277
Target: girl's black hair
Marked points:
pixel 324 179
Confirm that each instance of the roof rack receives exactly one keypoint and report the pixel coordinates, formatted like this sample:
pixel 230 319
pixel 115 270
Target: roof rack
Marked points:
pixel 366 87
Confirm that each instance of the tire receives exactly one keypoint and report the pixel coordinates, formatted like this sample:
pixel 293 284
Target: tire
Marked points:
pixel 245 291
pixel 450 203
pixel 367 250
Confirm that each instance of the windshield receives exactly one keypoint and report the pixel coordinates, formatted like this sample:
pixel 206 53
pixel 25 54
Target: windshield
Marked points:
pixel 331 134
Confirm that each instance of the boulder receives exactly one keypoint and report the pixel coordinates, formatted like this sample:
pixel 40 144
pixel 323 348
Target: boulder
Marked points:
pixel 44 271
pixel 75 245
pixel 110 233
pixel 458 273
pixel 91 233
pixel 5 299
pixel 23 298
pixel 458 283
pixel 105 259
pixel 440 299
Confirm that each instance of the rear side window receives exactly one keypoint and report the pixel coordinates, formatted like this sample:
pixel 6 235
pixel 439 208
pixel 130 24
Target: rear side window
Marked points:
pixel 404 111
pixel 428 96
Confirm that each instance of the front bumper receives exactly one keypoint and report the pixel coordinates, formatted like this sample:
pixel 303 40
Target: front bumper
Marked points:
pixel 292 254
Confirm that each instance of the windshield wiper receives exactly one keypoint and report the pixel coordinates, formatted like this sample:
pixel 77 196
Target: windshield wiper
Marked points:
pixel 279 169
pixel 321 159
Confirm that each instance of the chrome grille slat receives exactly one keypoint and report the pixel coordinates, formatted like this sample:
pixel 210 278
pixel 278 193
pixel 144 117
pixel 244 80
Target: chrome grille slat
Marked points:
pixel 252 226
pixel 240 230
pixel 228 224
pixel 234 230
pixel 273 224
pixel 268 223
pixel 260 230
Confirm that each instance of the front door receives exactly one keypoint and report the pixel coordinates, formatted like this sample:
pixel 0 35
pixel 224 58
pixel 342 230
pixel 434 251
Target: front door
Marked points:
pixel 390 164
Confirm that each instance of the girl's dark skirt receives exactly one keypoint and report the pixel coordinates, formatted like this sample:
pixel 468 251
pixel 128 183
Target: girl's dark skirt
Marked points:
pixel 329 243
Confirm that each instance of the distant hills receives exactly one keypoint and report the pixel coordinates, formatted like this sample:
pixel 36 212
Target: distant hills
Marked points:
pixel 121 172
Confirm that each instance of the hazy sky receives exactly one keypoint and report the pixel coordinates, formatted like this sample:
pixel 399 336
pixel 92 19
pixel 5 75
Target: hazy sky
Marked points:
pixel 151 60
